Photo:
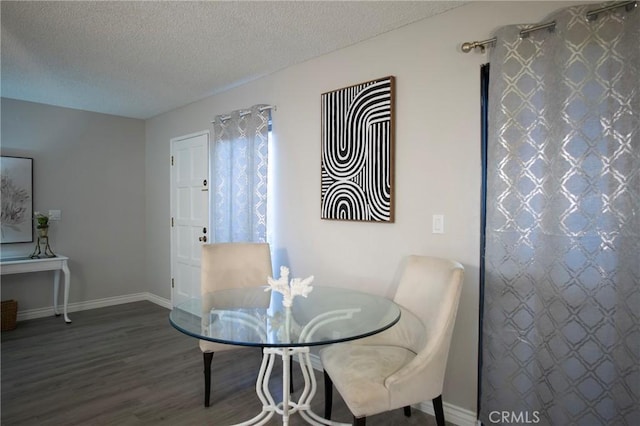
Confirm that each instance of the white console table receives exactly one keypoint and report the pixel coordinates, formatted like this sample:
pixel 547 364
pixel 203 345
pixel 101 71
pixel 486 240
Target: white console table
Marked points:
pixel 21 265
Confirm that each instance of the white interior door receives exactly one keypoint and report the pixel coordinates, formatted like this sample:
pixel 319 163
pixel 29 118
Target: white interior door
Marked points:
pixel 190 223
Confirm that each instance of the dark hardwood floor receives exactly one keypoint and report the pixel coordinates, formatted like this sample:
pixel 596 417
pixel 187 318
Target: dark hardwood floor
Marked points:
pixel 126 365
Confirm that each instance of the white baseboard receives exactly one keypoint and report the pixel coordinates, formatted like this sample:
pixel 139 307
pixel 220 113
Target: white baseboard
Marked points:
pixel 452 413
pixel 161 301
pixel 93 304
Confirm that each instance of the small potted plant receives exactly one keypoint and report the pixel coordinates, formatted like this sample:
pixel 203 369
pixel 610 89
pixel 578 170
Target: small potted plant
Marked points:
pixel 42 224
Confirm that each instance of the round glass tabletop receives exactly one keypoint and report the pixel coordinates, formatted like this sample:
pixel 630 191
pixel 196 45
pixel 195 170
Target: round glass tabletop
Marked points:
pixel 256 316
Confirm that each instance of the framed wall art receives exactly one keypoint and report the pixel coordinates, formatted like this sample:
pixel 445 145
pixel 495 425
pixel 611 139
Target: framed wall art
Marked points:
pixel 358 152
pixel 17 199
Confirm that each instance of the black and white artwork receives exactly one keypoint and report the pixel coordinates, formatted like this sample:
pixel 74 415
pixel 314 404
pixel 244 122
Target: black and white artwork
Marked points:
pixel 357 152
pixel 17 199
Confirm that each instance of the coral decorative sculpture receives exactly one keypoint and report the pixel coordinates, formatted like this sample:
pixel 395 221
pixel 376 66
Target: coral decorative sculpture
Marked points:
pixel 297 287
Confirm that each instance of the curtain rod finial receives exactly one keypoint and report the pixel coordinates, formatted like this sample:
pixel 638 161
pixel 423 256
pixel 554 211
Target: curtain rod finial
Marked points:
pixel 470 45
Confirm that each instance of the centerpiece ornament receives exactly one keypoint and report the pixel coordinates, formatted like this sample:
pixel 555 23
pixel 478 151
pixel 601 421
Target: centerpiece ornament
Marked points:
pixel 297 286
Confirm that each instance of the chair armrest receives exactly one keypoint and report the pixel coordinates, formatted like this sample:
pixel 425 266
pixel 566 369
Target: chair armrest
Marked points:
pixel 424 375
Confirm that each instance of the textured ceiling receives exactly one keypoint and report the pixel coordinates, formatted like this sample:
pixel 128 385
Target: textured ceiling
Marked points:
pixel 140 59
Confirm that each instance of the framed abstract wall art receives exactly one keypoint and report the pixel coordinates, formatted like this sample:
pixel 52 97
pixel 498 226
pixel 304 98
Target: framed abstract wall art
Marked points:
pixel 17 199
pixel 357 165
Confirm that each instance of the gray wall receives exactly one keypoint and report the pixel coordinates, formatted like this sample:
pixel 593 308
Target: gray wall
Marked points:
pixel 91 167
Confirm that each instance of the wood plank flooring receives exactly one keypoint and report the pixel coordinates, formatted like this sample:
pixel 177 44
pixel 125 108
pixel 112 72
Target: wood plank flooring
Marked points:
pixel 126 365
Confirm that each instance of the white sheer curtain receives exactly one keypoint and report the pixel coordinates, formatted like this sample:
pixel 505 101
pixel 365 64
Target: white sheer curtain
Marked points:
pixel 240 164
pixel 561 322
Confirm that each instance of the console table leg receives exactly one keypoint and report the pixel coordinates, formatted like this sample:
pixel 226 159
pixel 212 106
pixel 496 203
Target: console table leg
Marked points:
pixel 67 279
pixel 56 289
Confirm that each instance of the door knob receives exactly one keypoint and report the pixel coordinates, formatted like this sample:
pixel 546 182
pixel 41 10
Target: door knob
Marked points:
pixel 203 239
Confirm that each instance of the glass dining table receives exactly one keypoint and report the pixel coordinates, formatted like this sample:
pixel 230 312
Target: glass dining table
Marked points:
pixel 257 317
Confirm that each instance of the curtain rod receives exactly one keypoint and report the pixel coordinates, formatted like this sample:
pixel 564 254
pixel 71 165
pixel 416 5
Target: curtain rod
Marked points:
pixel 590 16
pixel 246 112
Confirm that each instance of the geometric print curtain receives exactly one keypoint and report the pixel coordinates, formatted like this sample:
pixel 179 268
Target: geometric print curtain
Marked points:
pixel 240 153
pixel 561 309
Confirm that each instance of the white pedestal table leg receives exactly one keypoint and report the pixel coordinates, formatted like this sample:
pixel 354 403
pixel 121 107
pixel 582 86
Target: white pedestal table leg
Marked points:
pixel 309 391
pixel 287 407
pixel 262 389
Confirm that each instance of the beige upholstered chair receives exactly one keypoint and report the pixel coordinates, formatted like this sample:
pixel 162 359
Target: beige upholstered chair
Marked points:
pixel 405 364
pixel 230 265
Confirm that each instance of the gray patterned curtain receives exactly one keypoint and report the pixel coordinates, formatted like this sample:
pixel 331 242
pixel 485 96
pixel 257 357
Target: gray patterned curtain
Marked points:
pixel 561 325
pixel 240 153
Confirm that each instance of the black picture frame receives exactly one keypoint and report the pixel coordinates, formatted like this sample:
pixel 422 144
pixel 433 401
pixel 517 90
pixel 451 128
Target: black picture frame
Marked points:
pixel 16 215
pixel 357 165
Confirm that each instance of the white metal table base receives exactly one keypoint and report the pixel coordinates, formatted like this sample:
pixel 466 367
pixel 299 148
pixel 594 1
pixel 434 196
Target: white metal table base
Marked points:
pixel 287 407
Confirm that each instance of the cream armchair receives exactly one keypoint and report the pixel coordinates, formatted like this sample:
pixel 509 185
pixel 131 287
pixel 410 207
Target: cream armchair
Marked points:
pixel 230 265
pixel 405 364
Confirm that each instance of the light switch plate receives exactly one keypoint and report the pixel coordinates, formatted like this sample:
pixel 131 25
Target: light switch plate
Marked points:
pixel 55 214
pixel 438 224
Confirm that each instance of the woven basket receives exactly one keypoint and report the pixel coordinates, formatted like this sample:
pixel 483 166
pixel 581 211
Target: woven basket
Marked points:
pixel 9 313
